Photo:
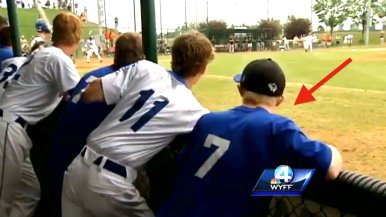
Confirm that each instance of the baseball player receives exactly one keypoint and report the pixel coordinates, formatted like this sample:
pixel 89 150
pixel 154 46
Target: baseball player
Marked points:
pixel 79 119
pixel 9 68
pixel 92 48
pixel 153 106
pixel 43 32
pixel 220 166
pixel 44 79
pixel 307 42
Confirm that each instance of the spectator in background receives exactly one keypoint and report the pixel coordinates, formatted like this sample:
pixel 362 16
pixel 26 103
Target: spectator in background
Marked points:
pixel 111 38
pixel 250 43
pixel 349 39
pixel 3 22
pixel 43 32
pixel 286 43
pixel 329 40
pixel 245 43
pixel 23 41
pixel 231 42
pixel 258 43
pixel 25 48
pixel 382 38
pixel 213 40
pixel 337 40
pixel 237 42
pixel 6 51
pixel 324 40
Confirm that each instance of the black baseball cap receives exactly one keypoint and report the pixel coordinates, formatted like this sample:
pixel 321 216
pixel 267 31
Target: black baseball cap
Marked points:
pixel 262 76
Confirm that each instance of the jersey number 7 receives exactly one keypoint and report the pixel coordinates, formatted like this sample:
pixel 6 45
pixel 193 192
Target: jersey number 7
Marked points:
pixel 222 145
pixel 144 95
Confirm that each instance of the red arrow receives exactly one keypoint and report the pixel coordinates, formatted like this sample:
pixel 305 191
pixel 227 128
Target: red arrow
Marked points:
pixel 305 95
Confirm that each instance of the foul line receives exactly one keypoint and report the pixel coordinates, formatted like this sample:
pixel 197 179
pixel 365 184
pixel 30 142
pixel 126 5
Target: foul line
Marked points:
pixel 227 78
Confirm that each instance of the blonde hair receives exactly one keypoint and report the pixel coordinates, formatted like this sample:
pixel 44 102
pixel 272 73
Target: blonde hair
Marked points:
pixel 67 29
pixel 256 98
pixel 190 51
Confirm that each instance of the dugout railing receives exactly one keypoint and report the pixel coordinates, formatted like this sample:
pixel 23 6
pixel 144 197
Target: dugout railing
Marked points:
pixel 351 195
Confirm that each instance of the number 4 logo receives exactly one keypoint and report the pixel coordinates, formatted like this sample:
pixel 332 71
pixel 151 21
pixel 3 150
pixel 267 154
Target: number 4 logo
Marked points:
pixel 222 145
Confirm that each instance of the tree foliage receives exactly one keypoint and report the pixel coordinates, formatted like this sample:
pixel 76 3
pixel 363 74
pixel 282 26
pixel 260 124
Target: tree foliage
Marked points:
pixel 296 26
pixel 213 25
pixel 360 8
pixel 214 29
pixel 271 26
pixel 332 12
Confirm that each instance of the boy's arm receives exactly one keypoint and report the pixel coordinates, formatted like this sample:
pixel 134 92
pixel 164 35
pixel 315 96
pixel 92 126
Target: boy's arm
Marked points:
pixel 307 153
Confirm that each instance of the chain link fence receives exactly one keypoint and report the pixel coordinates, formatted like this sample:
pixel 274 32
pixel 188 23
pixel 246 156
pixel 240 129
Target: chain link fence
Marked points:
pixel 351 195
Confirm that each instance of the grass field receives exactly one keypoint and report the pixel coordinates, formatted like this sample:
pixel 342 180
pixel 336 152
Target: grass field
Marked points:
pixel 350 111
pixel 28 17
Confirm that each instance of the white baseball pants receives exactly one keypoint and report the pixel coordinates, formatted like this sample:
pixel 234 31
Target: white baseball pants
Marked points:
pixel 91 52
pixel 90 190
pixel 19 186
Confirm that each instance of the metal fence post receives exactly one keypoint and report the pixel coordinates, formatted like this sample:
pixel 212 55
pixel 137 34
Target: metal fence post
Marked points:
pixel 149 34
pixel 13 22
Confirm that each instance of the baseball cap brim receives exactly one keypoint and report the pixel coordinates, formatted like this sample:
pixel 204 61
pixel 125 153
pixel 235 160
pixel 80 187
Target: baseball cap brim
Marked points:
pixel 237 78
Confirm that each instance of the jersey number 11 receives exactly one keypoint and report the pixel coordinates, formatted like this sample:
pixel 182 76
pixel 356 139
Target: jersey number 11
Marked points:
pixel 144 95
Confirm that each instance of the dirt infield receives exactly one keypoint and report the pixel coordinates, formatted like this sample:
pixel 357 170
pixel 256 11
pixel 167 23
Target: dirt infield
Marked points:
pixel 83 67
pixel 372 58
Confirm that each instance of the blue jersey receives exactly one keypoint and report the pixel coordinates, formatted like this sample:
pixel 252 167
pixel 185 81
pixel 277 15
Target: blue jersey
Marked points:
pixel 76 123
pixel 5 53
pixel 227 154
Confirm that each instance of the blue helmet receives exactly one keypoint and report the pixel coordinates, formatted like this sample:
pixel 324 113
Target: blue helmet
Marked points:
pixel 41 26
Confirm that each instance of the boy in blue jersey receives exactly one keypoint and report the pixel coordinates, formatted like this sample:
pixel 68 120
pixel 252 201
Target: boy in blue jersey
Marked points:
pixel 6 51
pixel 229 151
pixel 79 118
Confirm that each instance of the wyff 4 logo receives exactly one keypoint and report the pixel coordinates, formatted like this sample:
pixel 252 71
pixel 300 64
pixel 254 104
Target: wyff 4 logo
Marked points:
pixel 283 181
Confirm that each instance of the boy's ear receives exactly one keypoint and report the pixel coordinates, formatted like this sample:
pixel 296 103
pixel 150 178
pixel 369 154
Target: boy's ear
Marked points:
pixel 240 89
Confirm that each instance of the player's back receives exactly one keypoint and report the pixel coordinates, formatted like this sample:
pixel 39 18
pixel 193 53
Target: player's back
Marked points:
pixel 9 69
pixel 219 168
pixel 78 119
pixel 153 106
pixel 45 75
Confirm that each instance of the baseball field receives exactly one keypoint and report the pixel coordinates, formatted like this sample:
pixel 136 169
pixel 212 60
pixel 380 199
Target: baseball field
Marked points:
pixel 349 111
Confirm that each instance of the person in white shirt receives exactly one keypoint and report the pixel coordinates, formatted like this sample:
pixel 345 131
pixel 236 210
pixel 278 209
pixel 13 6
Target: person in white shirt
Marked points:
pixel 44 79
pixel 307 42
pixel 286 43
pixel 153 106
pixel 43 32
pixel 10 67
pixel 92 48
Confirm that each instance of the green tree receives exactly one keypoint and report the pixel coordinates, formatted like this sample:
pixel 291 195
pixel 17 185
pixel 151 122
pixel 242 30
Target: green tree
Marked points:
pixel 214 28
pixel 271 27
pixel 213 25
pixel 296 26
pixel 360 8
pixel 331 12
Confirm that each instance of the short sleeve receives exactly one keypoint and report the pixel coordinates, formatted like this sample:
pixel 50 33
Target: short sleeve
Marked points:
pixel 115 84
pixel 65 73
pixel 299 150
